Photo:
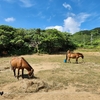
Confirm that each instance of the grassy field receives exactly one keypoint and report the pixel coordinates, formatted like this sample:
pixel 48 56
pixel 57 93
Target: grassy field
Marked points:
pixel 51 69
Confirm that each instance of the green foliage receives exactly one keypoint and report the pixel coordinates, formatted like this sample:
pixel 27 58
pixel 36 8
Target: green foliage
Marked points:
pixel 21 41
pixel 87 39
pixel 54 41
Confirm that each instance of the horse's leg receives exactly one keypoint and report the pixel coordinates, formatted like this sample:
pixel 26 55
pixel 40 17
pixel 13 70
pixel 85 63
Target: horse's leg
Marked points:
pixel 76 60
pixel 14 70
pixel 22 73
pixel 69 60
pixel 18 74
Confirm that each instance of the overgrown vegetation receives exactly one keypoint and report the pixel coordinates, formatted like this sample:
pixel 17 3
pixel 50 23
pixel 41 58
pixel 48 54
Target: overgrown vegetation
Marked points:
pixel 17 41
pixel 23 41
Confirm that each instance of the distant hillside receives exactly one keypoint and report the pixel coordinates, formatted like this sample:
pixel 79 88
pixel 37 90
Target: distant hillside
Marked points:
pixel 87 38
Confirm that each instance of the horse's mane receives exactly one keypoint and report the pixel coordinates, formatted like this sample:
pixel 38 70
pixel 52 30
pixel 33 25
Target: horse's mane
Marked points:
pixel 27 62
pixel 81 54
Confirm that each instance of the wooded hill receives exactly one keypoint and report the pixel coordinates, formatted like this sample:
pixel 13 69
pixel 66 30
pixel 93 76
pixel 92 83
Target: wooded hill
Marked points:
pixel 17 41
pixel 87 38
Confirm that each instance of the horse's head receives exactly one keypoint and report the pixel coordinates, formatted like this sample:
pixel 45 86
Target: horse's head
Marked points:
pixel 31 73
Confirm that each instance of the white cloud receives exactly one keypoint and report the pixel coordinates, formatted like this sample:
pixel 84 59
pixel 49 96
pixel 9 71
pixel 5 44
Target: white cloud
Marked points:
pixel 72 23
pixel 10 19
pixel 82 16
pixel 60 28
pixel 67 6
pixel 26 3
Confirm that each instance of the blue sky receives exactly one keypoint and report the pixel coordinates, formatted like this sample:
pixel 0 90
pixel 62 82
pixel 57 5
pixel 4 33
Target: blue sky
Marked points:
pixel 64 15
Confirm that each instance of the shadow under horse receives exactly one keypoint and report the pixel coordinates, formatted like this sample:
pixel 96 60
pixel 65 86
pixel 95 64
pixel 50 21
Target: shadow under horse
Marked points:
pixel 72 55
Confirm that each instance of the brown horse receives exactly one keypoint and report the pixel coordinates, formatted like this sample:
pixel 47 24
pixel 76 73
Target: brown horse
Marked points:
pixel 70 54
pixel 21 63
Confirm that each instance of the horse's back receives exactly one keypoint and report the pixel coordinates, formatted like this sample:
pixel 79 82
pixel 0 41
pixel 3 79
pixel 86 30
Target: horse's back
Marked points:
pixel 19 62
pixel 72 55
pixel 16 62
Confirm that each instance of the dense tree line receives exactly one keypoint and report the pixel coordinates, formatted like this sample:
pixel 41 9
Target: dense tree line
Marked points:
pixel 17 41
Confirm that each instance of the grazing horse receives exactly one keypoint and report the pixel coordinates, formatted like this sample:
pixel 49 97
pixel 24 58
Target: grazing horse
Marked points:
pixel 21 63
pixel 70 54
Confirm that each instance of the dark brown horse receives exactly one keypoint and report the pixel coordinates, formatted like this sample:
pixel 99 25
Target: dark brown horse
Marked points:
pixel 70 55
pixel 21 63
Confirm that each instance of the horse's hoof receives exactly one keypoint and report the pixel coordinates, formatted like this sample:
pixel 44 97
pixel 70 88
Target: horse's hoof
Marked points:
pixel 17 77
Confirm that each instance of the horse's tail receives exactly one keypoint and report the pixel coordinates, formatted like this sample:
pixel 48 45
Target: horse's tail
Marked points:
pixel 11 65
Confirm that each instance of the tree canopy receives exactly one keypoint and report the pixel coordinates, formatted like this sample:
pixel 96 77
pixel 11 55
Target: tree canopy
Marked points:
pixel 17 41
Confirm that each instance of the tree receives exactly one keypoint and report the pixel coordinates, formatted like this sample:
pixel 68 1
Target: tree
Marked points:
pixel 54 41
pixel 6 33
pixel 21 41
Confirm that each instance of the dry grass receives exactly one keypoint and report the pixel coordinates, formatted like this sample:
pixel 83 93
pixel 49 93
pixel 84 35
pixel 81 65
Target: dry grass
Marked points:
pixel 54 74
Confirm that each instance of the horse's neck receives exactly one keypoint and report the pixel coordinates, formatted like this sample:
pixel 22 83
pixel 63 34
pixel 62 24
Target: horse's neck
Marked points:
pixel 27 68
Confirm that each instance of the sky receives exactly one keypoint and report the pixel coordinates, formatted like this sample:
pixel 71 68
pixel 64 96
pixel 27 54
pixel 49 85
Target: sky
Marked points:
pixel 64 15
